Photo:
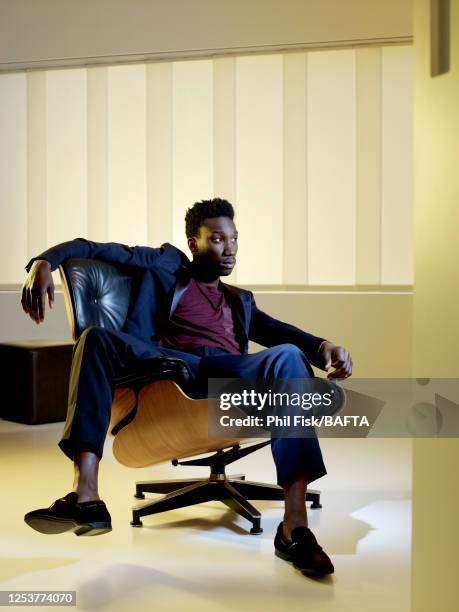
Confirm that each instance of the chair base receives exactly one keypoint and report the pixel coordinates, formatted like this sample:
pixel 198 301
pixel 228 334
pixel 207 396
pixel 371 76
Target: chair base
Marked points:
pixel 233 491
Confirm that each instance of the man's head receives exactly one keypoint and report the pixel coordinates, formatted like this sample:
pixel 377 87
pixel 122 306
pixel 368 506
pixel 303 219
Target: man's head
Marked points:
pixel 212 235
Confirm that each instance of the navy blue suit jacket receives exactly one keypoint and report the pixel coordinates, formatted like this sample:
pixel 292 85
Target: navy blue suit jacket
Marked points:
pixel 160 271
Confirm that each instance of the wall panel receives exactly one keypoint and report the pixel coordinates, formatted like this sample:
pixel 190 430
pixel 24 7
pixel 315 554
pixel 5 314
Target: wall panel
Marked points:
pixel 397 166
pixel 192 139
pixel 97 131
pixel 13 176
pixel 368 161
pixel 224 113
pixel 331 153
pixel 295 199
pixel 259 167
pixel 66 165
pixel 127 186
pixel 159 154
pixel 37 235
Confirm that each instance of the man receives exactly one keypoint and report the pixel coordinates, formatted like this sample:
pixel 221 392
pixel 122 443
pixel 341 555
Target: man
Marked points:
pixel 208 324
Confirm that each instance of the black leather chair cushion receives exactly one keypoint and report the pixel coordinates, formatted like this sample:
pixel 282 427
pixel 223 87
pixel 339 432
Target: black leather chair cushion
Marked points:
pixel 100 293
pixel 156 368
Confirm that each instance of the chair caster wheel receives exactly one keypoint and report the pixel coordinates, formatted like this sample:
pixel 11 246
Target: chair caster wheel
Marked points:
pixel 139 496
pixel 137 523
pixel 256 530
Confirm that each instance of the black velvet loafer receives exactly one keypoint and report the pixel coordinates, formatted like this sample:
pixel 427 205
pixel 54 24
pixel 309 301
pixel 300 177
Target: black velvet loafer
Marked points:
pixel 66 514
pixel 303 551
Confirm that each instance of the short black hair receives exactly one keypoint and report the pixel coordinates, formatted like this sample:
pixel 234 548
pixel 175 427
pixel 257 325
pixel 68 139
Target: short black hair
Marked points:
pixel 206 209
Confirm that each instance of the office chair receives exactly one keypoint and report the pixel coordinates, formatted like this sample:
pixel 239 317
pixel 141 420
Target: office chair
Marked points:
pixel 153 417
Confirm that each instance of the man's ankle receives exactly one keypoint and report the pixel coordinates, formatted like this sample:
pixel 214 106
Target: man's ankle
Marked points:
pixel 86 496
pixel 290 523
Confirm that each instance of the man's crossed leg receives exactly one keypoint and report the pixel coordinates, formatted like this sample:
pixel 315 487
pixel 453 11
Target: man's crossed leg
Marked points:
pixel 99 356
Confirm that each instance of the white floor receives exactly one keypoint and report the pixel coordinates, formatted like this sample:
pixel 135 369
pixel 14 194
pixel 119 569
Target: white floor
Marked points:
pixel 202 557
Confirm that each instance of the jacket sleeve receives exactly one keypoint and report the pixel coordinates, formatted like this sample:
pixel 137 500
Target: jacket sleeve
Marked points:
pixel 111 252
pixel 267 331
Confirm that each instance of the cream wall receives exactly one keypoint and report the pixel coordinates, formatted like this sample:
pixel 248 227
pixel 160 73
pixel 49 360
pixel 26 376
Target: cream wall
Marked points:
pixel 375 326
pixel 313 148
pixel 436 303
pixel 66 32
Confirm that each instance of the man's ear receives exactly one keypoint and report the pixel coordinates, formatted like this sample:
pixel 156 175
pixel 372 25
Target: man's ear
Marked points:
pixel 192 245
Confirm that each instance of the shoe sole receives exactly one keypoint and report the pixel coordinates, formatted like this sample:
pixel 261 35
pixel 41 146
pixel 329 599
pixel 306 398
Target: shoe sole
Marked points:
pixel 304 570
pixel 52 525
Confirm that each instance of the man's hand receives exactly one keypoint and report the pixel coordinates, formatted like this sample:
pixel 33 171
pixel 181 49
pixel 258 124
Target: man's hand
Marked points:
pixel 338 357
pixel 38 283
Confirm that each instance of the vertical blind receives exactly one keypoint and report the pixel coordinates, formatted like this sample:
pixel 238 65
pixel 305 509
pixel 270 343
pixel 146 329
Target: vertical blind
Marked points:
pixel 314 149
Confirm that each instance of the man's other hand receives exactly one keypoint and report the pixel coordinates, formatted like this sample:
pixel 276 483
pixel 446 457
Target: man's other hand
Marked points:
pixel 331 355
pixel 38 283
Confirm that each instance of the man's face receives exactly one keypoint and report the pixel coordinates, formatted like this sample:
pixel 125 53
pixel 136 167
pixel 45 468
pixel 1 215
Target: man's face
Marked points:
pixel 216 245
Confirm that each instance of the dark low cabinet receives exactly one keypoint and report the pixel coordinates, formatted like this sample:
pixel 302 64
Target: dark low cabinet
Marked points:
pixel 34 377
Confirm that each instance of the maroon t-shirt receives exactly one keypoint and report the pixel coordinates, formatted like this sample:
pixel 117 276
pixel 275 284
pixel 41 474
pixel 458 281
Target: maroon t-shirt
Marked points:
pixel 202 317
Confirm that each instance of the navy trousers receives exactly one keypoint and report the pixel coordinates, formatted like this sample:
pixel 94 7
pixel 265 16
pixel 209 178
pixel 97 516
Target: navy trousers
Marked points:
pixel 100 355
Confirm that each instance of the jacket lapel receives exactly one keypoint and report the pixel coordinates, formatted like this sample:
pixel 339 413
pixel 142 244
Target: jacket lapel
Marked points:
pixel 183 280
pixel 238 307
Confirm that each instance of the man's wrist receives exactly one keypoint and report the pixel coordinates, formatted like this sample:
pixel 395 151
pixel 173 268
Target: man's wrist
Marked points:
pixel 321 345
pixel 38 262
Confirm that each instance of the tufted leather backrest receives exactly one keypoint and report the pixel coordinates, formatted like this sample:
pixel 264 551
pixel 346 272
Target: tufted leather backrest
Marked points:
pixel 96 292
